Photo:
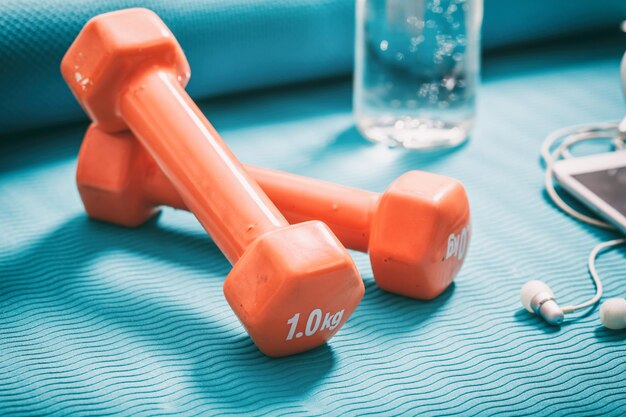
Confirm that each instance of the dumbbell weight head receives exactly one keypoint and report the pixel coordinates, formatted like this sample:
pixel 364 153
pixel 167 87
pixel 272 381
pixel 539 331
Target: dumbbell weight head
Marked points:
pixel 110 176
pixel 110 49
pixel 283 309
pixel 421 229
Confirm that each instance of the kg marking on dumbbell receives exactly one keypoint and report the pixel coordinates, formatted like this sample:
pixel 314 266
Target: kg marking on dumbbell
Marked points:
pixel 416 232
pixel 128 72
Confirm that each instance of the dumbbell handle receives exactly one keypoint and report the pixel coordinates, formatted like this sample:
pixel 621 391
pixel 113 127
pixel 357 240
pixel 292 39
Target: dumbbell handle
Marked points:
pixel 210 180
pixel 347 211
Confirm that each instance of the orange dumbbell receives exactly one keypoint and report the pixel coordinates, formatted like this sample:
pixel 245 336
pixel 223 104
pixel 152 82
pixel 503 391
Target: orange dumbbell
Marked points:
pixel 417 232
pixel 292 287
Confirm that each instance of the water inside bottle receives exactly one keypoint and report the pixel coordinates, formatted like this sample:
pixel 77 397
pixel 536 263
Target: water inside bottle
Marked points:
pixel 416 71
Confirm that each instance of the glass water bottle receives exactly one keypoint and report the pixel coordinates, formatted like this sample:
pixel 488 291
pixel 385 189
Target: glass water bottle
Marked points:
pixel 417 65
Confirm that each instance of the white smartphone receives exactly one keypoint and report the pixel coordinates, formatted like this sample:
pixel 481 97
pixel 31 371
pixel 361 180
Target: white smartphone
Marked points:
pixel 598 181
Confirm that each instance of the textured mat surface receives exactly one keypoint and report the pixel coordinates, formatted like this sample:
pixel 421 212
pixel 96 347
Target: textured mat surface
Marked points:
pixel 96 319
pixel 235 45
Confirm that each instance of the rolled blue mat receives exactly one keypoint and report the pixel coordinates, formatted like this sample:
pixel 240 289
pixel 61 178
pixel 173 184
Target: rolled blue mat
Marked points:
pixel 235 45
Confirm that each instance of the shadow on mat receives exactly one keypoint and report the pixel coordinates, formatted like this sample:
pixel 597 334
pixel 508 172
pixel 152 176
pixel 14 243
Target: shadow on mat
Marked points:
pixel 54 283
pixel 54 280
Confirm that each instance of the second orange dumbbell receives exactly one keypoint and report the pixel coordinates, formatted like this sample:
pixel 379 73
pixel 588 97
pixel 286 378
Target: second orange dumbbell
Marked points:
pixel 416 232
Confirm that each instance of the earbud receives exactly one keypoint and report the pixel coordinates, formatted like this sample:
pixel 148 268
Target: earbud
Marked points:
pixel 613 313
pixel 538 298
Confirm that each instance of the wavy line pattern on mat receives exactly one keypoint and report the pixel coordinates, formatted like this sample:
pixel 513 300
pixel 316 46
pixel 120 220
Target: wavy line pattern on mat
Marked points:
pixel 98 319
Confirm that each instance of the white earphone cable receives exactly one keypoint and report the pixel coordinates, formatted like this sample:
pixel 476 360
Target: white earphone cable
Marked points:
pixel 570 136
pixel 591 266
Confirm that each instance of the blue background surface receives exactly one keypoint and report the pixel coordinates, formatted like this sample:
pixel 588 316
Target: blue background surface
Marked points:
pixel 97 319
pixel 235 45
pixel 101 320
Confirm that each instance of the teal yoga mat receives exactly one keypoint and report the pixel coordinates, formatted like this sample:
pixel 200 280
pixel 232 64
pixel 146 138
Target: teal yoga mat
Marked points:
pixel 237 45
pixel 100 320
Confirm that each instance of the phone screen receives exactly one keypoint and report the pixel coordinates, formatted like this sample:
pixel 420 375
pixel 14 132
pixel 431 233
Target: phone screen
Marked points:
pixel 609 185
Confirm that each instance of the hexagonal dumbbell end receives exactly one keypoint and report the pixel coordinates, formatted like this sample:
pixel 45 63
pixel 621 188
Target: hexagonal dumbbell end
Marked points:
pixel 420 229
pixel 290 301
pixel 109 50
pixel 111 174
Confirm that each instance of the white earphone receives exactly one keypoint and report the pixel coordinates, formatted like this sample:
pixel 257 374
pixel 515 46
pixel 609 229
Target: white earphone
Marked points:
pixel 536 296
pixel 613 313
